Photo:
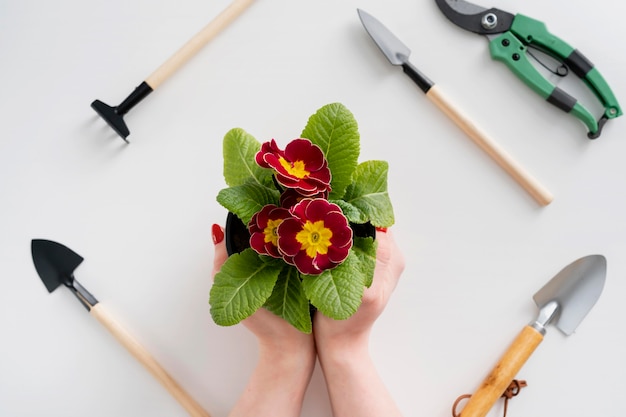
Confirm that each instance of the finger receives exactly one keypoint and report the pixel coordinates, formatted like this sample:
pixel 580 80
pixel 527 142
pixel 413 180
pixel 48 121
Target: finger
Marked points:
pixel 389 260
pixel 384 248
pixel 381 271
pixel 399 261
pixel 220 255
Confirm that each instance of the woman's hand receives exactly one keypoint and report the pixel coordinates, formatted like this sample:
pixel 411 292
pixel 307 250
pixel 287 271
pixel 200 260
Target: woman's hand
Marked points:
pixel 389 266
pixel 354 386
pixel 272 332
pixel 286 359
pixel 287 356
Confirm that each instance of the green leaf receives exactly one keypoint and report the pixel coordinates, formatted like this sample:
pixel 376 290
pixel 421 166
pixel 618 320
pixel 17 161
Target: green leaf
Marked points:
pixel 245 200
pixel 353 214
pixel 334 129
pixel 239 149
pixel 289 301
pixel 365 251
pixel 368 193
pixel 337 292
pixel 242 286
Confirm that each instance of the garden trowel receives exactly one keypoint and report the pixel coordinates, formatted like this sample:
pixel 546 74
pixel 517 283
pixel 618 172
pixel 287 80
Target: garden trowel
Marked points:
pixel 55 265
pixel 397 53
pixel 564 301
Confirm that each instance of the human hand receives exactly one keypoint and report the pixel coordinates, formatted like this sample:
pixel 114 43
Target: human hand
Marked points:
pixel 354 386
pixel 286 359
pixel 272 331
pixel 390 264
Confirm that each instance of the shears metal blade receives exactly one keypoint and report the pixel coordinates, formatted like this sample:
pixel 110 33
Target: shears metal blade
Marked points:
pixel 510 37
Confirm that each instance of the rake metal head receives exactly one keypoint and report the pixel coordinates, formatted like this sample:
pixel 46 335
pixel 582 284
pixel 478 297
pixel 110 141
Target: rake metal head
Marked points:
pixel 112 117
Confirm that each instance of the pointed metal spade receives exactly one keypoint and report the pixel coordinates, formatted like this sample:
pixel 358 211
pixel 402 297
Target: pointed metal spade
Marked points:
pixel 397 53
pixel 55 264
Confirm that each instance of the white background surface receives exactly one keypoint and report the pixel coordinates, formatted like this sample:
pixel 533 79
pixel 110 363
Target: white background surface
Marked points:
pixel 478 247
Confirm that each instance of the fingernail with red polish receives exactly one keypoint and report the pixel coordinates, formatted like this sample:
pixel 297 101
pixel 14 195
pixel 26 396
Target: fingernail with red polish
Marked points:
pixel 217 233
pixel 381 229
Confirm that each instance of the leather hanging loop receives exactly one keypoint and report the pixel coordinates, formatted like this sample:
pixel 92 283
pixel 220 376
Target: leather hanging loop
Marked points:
pixel 512 390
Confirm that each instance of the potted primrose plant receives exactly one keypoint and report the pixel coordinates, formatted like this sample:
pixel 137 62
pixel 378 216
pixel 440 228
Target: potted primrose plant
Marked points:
pixel 300 228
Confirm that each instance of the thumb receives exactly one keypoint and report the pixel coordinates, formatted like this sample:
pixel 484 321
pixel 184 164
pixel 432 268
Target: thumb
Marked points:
pixel 220 248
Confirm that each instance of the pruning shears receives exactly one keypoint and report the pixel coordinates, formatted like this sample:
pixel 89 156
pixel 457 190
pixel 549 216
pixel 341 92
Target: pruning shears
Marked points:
pixel 510 36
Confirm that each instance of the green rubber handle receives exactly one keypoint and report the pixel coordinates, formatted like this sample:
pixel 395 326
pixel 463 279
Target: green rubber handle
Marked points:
pixel 510 48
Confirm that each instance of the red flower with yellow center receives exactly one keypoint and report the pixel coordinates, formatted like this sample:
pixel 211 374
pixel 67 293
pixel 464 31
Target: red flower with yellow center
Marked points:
pixel 263 228
pixel 301 166
pixel 316 237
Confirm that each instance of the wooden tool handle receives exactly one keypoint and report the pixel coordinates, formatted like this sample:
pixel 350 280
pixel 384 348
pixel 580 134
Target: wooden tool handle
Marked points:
pixel 142 355
pixel 503 373
pixel 530 184
pixel 198 41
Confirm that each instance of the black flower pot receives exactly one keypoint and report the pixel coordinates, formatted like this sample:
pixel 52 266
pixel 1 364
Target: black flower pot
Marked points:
pixel 238 237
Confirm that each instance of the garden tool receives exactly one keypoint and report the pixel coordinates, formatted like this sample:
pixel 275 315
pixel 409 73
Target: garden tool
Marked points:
pixel 114 116
pixel 55 264
pixel 510 36
pixel 564 301
pixel 398 54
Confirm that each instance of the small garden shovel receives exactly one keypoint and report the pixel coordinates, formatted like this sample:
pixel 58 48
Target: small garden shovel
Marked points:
pixel 55 265
pixel 564 301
